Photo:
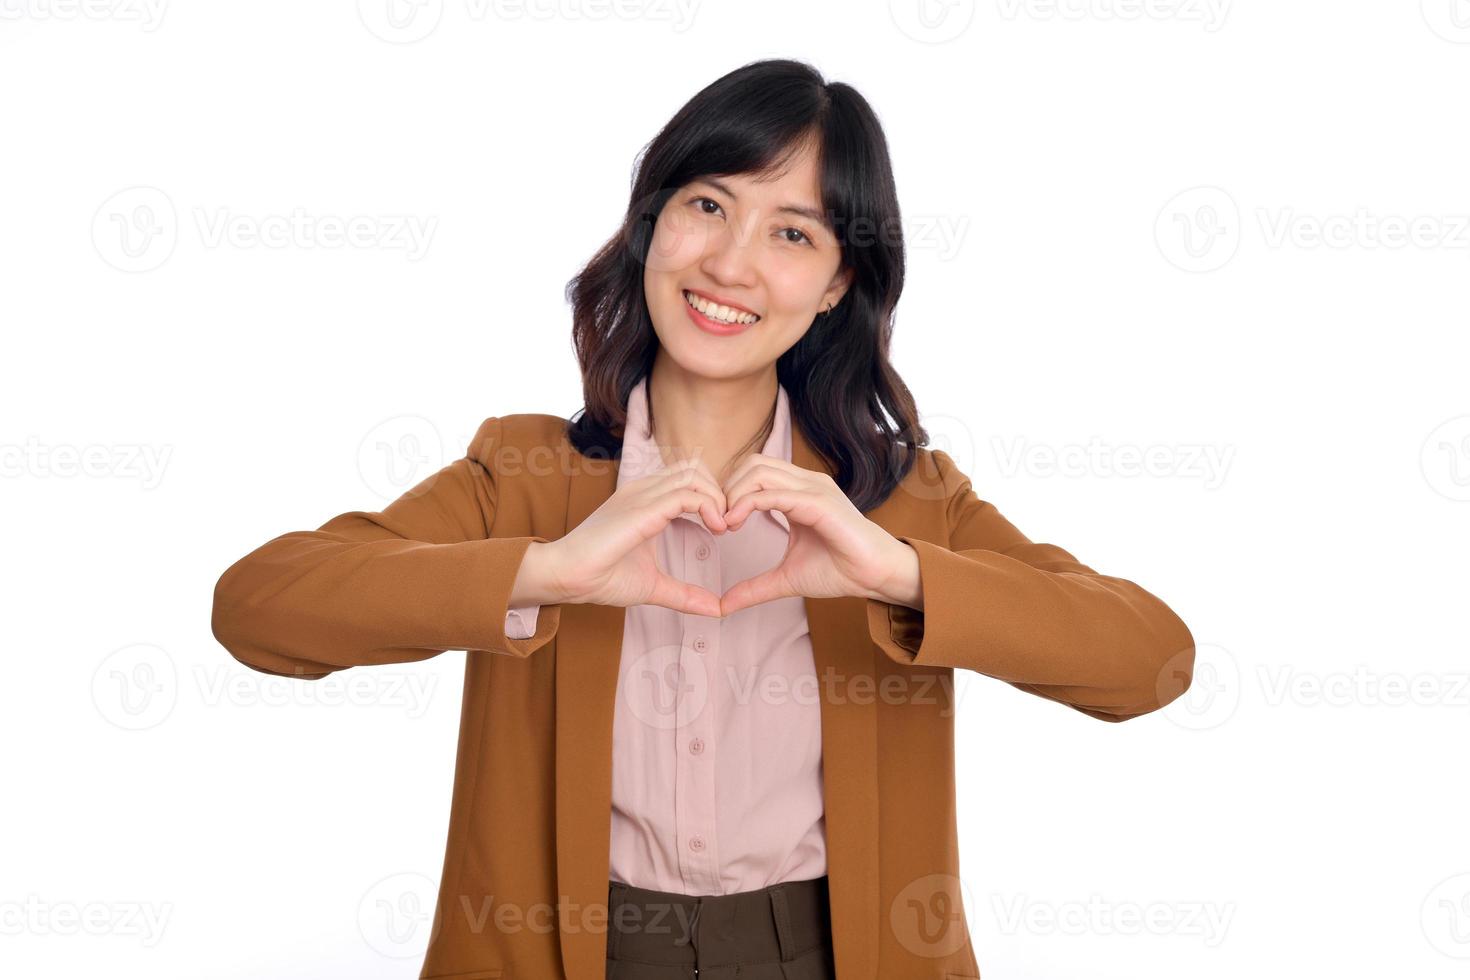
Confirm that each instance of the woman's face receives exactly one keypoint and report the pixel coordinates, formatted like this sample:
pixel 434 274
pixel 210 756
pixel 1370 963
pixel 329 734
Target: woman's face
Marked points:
pixel 760 247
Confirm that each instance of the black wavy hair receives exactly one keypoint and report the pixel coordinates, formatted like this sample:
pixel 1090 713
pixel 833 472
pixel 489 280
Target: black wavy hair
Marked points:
pixel 837 376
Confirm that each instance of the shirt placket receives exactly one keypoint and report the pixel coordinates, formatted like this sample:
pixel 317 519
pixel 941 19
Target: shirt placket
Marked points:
pixel 694 776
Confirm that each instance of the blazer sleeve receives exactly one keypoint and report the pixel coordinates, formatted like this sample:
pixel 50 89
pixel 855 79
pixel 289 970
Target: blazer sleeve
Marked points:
pixel 399 585
pixel 1032 615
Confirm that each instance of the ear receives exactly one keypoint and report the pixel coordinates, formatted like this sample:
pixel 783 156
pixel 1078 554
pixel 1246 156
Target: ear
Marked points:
pixel 841 282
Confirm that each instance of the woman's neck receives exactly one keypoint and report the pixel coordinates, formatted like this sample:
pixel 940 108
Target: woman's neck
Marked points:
pixel 713 420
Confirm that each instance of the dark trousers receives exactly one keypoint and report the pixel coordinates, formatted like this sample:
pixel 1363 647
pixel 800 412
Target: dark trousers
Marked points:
pixel 782 932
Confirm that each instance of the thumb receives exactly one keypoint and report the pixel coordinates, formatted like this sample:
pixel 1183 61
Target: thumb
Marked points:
pixel 683 597
pixel 753 591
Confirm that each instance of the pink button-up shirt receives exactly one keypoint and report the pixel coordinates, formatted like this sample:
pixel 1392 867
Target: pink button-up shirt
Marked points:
pixel 717 738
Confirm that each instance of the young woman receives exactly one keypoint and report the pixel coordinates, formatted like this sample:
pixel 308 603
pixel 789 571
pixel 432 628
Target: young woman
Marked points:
pixel 712 620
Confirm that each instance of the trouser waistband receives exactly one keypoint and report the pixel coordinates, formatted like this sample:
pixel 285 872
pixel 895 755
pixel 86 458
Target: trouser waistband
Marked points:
pixel 777 923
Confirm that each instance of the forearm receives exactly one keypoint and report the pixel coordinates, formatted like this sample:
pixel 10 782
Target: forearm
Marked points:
pixel 308 603
pixel 1099 643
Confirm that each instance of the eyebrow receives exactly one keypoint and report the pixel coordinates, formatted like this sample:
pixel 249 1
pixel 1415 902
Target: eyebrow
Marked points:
pixel 812 214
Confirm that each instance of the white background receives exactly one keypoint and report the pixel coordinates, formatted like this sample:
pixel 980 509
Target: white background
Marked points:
pixel 1231 237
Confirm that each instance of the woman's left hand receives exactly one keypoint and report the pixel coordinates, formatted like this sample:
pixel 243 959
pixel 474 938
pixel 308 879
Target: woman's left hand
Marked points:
pixel 833 550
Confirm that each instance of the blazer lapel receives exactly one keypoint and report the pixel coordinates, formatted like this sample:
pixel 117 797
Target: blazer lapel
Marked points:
pixel 843 651
pixel 588 651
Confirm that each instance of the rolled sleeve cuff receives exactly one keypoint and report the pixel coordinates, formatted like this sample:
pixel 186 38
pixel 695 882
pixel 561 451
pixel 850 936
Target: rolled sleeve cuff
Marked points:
pixel 898 630
pixel 544 620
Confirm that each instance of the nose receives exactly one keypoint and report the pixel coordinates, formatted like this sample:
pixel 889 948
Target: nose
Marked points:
pixel 729 259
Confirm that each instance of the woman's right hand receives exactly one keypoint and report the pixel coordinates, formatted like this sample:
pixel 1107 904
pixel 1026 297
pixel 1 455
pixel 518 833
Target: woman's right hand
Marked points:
pixel 610 558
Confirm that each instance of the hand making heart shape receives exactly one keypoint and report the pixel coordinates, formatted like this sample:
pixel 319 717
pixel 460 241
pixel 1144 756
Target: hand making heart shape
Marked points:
pixel 610 558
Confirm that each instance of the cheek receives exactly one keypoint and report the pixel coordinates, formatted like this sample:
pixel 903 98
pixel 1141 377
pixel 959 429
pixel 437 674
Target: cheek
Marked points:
pixel 794 287
pixel 678 242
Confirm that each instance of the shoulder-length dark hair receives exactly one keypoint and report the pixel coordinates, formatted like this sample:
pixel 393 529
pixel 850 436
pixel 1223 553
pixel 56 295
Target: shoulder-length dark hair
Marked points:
pixel 838 377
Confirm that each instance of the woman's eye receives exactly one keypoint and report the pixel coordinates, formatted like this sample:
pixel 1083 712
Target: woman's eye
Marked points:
pixel 801 236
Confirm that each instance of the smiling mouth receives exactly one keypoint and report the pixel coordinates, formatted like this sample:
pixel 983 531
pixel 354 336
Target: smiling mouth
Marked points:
pixel 718 313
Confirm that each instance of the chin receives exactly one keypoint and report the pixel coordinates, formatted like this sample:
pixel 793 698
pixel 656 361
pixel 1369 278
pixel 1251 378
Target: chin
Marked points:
pixel 700 359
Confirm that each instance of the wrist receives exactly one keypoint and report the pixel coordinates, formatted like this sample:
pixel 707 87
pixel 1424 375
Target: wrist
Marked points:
pixel 538 579
pixel 903 587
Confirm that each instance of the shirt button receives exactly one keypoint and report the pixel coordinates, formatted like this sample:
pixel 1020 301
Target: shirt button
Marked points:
pixel 699 643
pixel 696 746
pixel 702 552
pixel 696 843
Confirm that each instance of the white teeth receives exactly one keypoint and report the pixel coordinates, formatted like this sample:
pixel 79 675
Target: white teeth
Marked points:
pixel 715 311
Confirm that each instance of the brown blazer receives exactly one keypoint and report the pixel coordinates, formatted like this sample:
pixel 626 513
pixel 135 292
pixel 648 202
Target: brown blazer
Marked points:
pixel 523 893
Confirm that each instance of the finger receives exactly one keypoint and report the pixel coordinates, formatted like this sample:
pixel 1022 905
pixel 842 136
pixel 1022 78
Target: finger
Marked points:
pixel 652 515
pixel 797 505
pixel 760 459
pixel 761 478
pixel 683 597
pixel 695 464
pixel 690 500
pixel 743 467
pixel 753 591
pixel 689 475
